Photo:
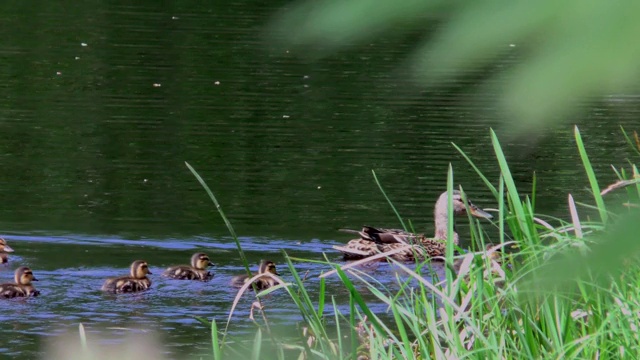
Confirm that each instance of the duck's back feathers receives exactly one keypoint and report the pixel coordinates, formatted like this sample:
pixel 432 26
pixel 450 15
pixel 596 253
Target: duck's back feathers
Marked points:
pixel 263 282
pixel 374 241
pixel 388 236
pixel 125 284
pixel 17 290
pixel 185 272
pixel 380 235
pixel 406 252
pixel 239 280
pixel 358 249
pixel 415 246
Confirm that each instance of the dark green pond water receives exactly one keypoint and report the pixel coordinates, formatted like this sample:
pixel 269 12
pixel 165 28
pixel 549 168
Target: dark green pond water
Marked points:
pixel 101 105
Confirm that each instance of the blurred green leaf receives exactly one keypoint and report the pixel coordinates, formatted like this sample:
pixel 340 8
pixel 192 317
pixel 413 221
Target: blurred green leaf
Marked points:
pixel 333 24
pixel 561 53
pixel 613 250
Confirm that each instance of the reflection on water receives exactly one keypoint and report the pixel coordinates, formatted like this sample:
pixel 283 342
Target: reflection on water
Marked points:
pixel 71 292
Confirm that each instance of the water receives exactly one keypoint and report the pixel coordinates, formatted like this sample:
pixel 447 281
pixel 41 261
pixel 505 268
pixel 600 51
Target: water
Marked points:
pixel 102 104
pixel 72 269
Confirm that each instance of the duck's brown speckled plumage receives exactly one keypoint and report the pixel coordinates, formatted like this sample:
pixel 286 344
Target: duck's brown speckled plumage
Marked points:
pixel 373 241
pixel 4 249
pixel 263 282
pixel 136 281
pixel 196 271
pixel 22 286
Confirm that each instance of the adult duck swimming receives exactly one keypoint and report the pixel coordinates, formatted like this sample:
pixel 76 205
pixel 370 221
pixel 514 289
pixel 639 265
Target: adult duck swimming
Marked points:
pixel 373 241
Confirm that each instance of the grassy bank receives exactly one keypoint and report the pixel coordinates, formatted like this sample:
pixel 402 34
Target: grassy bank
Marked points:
pixel 567 290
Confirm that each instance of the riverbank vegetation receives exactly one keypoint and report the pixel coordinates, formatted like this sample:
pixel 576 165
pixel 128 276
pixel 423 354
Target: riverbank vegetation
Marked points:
pixel 539 291
pixel 537 287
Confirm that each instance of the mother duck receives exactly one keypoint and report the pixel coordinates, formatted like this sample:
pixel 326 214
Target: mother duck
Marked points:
pixel 373 241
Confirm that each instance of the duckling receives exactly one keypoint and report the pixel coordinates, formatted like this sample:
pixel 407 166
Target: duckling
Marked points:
pixel 373 241
pixel 492 252
pixel 197 270
pixel 4 249
pixel 22 286
pixel 263 282
pixel 136 281
pixel 491 265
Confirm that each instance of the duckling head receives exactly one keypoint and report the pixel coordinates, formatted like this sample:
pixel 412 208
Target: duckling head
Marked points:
pixel 200 261
pixel 139 269
pixel 458 206
pixel 4 247
pixel 268 266
pixel 24 276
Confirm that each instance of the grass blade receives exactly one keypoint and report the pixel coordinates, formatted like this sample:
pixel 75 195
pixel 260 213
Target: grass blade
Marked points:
pixel 512 191
pixel 388 200
pixel 83 338
pixel 484 178
pixel 257 345
pixel 217 353
pixel 595 188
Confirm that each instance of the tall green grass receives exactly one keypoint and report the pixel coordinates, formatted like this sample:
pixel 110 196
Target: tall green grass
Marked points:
pixel 568 290
pixel 543 301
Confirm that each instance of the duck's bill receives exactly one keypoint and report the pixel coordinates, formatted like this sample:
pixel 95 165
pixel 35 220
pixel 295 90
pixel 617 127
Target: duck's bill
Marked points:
pixel 34 279
pixel 8 248
pixel 149 272
pixel 477 212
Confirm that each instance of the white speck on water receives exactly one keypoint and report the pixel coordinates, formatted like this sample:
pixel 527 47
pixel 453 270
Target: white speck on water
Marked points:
pixel 84 44
pixel 77 57
pixel 58 73
pixel 157 85
pixel 512 45
pixel 145 180
pixel 305 77
pixel 285 116
pixel 174 18
pixel 216 83
pixel 319 187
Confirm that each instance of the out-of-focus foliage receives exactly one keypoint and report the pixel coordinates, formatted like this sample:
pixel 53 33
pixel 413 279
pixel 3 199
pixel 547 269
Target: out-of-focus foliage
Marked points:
pixel 566 51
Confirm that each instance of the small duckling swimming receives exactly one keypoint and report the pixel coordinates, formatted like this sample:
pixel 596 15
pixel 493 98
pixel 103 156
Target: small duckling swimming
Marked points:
pixel 136 281
pixel 197 270
pixel 4 249
pixel 493 257
pixel 22 286
pixel 263 282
